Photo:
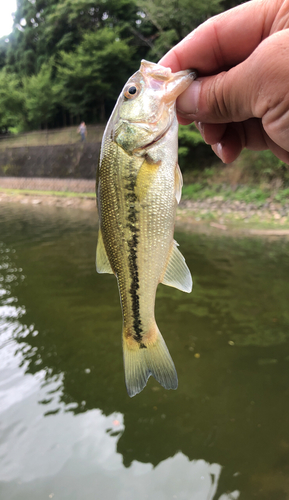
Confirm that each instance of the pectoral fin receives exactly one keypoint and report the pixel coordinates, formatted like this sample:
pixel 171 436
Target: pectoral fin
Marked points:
pixel 102 262
pixel 178 183
pixel 177 273
pixel 145 178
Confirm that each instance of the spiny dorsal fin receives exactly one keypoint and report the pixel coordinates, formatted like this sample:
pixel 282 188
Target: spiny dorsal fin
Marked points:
pixel 178 183
pixel 177 273
pixel 102 262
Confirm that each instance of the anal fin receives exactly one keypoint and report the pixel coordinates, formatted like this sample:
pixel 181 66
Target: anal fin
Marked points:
pixel 102 262
pixel 177 273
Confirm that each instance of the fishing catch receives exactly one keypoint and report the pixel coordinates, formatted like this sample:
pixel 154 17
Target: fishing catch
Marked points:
pixel 139 185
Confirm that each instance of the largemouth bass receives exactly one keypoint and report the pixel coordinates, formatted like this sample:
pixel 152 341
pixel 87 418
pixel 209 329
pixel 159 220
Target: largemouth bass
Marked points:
pixel 139 185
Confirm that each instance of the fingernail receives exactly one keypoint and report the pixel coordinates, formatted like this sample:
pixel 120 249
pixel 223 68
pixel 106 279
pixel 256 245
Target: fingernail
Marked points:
pixel 201 129
pixel 218 150
pixel 188 102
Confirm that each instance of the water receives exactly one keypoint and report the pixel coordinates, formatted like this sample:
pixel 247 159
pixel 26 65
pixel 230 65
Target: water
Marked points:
pixel 68 430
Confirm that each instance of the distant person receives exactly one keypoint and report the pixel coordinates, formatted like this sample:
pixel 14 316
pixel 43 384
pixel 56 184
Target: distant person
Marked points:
pixel 82 131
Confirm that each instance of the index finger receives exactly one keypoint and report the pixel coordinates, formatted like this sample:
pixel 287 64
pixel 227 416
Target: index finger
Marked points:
pixel 224 40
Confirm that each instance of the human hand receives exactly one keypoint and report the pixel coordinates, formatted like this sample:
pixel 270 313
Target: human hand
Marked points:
pixel 244 100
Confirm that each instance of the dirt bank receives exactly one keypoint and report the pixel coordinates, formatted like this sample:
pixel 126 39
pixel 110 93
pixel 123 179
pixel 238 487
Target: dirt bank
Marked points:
pixel 51 184
pixel 85 203
pixel 215 213
pixel 77 193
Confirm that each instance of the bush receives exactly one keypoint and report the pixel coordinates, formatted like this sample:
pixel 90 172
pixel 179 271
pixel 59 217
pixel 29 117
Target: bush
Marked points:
pixel 264 166
pixel 193 151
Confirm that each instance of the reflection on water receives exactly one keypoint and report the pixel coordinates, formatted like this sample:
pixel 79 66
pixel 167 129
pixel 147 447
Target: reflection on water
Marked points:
pixel 68 430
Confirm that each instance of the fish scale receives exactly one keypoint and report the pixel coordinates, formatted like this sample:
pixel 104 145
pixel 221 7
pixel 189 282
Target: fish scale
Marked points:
pixel 138 188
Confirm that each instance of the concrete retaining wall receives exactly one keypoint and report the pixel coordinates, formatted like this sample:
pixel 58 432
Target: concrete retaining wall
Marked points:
pixel 76 161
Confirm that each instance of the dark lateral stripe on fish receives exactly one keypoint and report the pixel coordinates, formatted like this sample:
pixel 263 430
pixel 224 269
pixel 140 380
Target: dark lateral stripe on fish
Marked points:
pixel 132 245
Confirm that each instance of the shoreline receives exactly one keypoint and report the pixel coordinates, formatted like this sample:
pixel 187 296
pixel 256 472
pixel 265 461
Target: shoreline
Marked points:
pixel 213 214
pixel 86 201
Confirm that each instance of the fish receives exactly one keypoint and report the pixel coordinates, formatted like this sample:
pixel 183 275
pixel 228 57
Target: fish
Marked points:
pixel 139 185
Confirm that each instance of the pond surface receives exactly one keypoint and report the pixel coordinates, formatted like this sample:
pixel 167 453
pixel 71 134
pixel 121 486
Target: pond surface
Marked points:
pixel 68 429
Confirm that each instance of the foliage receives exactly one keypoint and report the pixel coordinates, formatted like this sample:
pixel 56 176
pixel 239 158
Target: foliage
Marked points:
pixel 85 75
pixel 11 99
pixel 174 19
pixel 69 20
pixel 39 96
pixel 96 45
pixel 3 52
pixel 189 136
pixel 192 148
pixel 257 195
pixel 265 164
pixel 43 28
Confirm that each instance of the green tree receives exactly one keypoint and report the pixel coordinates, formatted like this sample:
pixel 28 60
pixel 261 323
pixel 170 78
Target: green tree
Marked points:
pixel 11 100
pixel 3 51
pixel 174 19
pixel 95 72
pixel 39 94
pixel 43 28
pixel 25 46
pixel 69 21
pixel 69 30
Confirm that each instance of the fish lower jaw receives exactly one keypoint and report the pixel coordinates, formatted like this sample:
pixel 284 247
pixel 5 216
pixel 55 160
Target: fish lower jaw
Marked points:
pixel 151 129
pixel 153 142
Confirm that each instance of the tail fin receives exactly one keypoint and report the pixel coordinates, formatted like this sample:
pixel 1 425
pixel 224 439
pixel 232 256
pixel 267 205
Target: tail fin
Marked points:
pixel 146 359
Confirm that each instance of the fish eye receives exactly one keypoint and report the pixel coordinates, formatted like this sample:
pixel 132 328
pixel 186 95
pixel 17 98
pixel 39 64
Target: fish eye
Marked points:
pixel 131 91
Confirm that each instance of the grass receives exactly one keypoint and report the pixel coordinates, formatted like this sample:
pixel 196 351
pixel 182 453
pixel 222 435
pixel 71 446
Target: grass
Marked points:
pixel 254 177
pixel 67 135
pixel 247 194
pixel 63 194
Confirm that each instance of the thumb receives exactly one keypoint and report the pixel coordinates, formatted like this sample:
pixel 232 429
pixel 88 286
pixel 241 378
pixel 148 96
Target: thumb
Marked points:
pixel 253 88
